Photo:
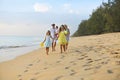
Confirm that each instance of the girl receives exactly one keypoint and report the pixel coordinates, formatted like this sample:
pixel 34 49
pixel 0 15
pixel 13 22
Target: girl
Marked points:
pixel 47 41
pixel 62 38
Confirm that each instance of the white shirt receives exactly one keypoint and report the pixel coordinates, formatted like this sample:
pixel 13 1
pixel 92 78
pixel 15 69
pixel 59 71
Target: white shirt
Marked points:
pixel 56 30
pixel 52 32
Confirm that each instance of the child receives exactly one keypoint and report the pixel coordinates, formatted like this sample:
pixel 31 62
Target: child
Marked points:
pixel 47 41
pixel 62 38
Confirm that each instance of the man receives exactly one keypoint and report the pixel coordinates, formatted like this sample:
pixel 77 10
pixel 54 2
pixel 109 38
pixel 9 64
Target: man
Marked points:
pixel 52 30
pixel 56 36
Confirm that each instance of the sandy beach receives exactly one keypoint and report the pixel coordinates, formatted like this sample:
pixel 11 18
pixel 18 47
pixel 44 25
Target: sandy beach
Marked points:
pixel 95 57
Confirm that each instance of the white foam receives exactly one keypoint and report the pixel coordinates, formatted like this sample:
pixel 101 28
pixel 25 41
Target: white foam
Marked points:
pixel 9 54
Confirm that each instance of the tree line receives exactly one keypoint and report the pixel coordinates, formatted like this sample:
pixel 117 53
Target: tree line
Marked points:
pixel 105 19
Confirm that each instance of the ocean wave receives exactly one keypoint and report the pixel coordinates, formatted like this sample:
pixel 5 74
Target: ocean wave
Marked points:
pixel 10 42
pixel 8 47
pixel 17 46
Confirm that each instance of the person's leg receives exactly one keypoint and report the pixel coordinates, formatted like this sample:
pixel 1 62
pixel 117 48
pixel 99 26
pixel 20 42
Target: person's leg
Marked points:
pixel 64 47
pixel 67 42
pixel 54 45
pixel 61 48
pixel 47 50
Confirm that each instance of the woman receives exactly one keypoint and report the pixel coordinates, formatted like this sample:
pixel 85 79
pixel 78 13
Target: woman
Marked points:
pixel 62 38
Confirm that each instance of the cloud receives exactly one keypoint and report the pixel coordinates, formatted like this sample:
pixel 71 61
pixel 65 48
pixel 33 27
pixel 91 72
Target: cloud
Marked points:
pixel 73 11
pixel 66 6
pixel 69 9
pixel 23 29
pixel 41 7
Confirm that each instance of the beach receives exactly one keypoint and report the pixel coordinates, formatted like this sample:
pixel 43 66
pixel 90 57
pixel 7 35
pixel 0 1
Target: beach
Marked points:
pixel 95 57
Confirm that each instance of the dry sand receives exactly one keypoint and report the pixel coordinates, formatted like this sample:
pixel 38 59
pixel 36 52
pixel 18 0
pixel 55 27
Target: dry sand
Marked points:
pixel 94 57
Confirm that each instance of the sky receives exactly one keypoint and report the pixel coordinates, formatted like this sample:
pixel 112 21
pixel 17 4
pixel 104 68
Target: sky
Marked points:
pixel 34 17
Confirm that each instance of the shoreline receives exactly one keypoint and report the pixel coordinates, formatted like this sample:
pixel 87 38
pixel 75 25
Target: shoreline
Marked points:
pixel 95 57
pixel 11 54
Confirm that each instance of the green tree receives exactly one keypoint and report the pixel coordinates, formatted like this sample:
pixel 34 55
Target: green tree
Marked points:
pixel 104 19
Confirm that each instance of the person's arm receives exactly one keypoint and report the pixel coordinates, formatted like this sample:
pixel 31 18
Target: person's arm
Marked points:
pixel 65 33
pixel 69 31
pixel 44 39
pixel 51 37
pixel 58 35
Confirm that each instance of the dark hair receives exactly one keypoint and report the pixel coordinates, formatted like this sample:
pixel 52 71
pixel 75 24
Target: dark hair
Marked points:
pixel 64 27
pixel 60 29
pixel 53 24
pixel 56 26
pixel 48 32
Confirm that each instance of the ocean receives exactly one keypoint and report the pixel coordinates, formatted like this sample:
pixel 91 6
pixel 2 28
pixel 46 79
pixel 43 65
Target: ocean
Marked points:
pixel 13 46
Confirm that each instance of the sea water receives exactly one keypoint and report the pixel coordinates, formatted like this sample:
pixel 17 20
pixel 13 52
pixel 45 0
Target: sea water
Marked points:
pixel 13 46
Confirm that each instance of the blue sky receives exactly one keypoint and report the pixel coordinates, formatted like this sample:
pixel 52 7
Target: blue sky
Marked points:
pixel 34 17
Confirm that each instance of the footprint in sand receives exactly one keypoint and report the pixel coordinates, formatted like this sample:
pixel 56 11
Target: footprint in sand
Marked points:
pixel 105 57
pixel 77 51
pixel 26 71
pixel 37 73
pixel 19 75
pixel 62 57
pixel 80 58
pixel 89 59
pixel 117 62
pixel 82 79
pixel 58 78
pixel 89 62
pixel 45 68
pixel 85 56
pixel 110 71
pixel 33 79
pixel 86 65
pixel 114 52
pixel 98 59
pixel 104 62
pixel 117 77
pixel 72 61
pixel 108 60
pixel 117 56
pixel 98 67
pixel 102 53
pixel 27 67
pixel 67 67
pixel 58 61
pixel 30 65
pixel 20 79
pixel 88 68
pixel 72 70
pixel 73 73
pixel 38 61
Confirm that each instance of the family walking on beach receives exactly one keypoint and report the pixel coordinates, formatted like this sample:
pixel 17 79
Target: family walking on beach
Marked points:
pixel 55 34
